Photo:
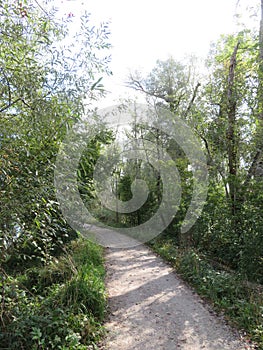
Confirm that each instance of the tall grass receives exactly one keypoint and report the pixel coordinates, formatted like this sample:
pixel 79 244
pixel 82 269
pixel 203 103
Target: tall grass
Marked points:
pixel 57 306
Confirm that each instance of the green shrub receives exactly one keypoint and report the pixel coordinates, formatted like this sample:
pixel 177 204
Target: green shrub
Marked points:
pixel 64 308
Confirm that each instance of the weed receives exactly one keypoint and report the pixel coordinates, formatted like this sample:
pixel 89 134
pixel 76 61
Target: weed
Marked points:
pixel 58 306
pixel 241 302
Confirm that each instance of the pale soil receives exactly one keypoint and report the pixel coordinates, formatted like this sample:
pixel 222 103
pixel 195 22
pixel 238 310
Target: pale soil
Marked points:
pixel 151 308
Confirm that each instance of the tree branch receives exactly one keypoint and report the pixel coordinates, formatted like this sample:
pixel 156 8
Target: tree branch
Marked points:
pixel 192 100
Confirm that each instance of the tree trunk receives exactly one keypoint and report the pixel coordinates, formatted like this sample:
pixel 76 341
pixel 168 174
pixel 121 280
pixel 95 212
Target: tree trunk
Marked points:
pixel 231 131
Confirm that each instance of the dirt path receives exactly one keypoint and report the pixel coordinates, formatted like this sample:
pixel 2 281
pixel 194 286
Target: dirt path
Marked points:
pixel 151 308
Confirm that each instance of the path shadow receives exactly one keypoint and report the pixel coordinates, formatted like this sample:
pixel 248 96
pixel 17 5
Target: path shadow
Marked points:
pixel 161 311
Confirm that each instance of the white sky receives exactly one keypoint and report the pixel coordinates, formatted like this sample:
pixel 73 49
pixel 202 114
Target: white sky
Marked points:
pixel 143 31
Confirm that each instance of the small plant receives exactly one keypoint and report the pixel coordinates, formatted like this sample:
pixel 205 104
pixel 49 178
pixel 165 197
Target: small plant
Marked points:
pixel 65 307
pixel 240 301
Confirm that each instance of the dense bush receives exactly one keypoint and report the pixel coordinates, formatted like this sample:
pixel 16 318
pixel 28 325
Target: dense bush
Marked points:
pixel 58 306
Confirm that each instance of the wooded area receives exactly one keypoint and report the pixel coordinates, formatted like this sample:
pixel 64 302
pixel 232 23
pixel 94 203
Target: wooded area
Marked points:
pixel 51 278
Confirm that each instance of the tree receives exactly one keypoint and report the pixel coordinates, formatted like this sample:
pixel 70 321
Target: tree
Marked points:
pixel 171 83
pixel 225 113
pixel 175 86
pixel 47 81
pixel 230 129
pixel 45 84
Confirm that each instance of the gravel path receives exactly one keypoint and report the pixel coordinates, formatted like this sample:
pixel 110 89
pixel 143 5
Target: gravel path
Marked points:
pixel 151 308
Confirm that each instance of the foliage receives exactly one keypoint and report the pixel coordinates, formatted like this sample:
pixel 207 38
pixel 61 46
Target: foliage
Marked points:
pixel 171 83
pixel 45 78
pixel 58 306
pixel 54 296
pixel 50 298
pixel 224 112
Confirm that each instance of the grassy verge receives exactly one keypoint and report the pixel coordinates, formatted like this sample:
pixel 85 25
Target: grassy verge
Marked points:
pixel 241 301
pixel 58 306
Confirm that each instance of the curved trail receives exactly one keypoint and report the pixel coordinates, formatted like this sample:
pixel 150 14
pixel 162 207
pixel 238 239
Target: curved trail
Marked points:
pixel 151 308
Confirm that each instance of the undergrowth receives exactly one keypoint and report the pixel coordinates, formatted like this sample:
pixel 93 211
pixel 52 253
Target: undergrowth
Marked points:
pixel 240 300
pixel 57 306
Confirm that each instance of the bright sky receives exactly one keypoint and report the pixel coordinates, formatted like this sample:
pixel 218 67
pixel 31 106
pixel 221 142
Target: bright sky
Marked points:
pixel 143 31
